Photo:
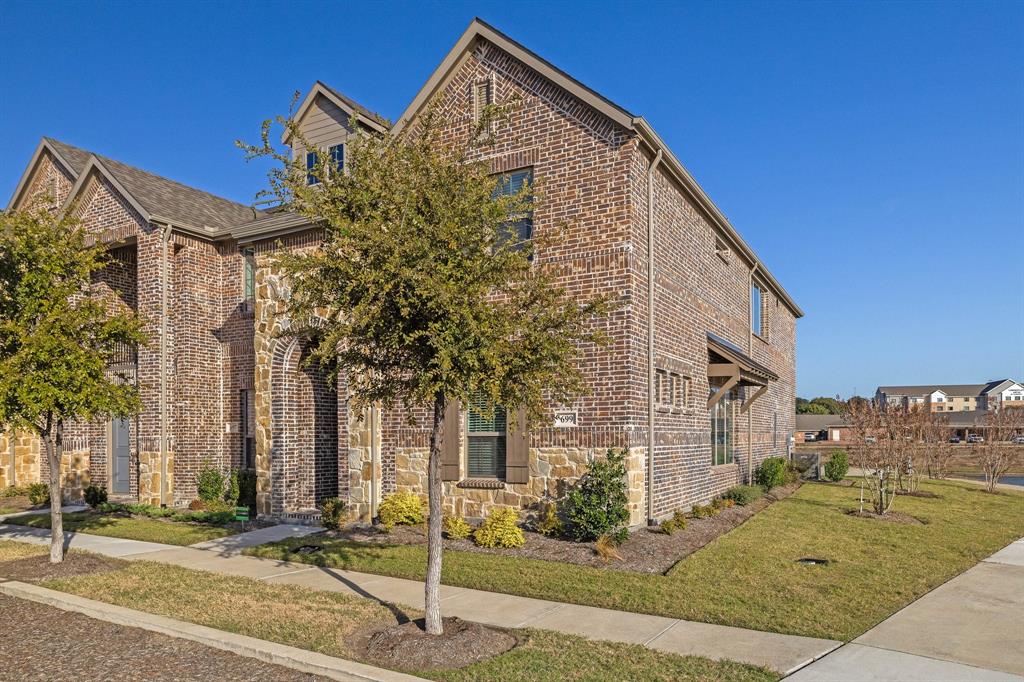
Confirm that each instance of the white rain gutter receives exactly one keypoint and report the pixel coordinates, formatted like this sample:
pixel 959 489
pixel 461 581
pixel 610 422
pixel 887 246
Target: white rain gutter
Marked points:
pixel 650 335
pixel 750 353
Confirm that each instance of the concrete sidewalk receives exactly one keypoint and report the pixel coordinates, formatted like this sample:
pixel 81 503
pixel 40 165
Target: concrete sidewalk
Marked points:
pixel 784 653
pixel 970 628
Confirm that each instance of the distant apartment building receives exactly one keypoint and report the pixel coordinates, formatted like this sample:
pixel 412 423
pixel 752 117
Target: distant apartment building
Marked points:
pixel 992 395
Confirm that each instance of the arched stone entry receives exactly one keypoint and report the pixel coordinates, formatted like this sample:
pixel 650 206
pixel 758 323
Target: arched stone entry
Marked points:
pixel 303 459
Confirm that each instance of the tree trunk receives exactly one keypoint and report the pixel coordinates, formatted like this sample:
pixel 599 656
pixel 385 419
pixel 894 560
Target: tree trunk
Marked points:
pixel 53 439
pixel 432 586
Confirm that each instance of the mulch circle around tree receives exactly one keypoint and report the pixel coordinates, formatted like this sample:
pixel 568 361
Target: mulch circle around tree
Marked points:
pixel 37 569
pixel 643 552
pixel 891 517
pixel 408 645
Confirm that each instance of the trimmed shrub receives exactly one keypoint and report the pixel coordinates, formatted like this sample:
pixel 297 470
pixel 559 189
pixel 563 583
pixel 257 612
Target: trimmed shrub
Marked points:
pixel 95 495
pixel 14 491
pixel 744 494
pixel 704 511
pixel 232 492
pixel 332 513
pixel 210 483
pixel 837 466
pixel 38 493
pixel 771 473
pixel 400 509
pixel 676 522
pixel 548 524
pixel 597 505
pixel 456 528
pixel 500 529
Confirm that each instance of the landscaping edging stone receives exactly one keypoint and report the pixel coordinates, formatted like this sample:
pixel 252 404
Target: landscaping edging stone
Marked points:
pixel 270 652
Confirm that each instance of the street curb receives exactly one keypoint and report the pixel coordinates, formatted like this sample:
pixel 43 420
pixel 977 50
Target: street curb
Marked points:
pixel 269 652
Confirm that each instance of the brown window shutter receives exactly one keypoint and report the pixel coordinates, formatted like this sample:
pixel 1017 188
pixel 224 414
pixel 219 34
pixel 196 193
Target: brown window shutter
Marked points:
pixel 450 443
pixel 517 449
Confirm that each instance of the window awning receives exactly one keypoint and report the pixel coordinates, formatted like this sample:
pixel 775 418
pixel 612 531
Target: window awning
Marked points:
pixel 728 362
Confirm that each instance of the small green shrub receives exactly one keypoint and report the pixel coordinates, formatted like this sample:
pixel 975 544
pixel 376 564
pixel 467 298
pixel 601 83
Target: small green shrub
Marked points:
pixel 14 491
pixel 548 524
pixel 500 529
pixel 95 495
pixel 771 473
pixel 675 522
pixel 837 466
pixel 400 509
pixel 210 483
pixel 332 513
pixel 38 493
pixel 744 494
pixel 598 504
pixel 704 511
pixel 232 492
pixel 456 528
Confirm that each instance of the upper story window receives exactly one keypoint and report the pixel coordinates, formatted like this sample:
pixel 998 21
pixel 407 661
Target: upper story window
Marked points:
pixel 521 227
pixel 756 309
pixel 311 178
pixel 337 158
pixel 336 154
pixel 249 274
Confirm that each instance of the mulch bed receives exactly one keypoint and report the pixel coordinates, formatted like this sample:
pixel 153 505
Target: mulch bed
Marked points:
pixel 891 517
pixel 37 569
pixel 645 551
pixel 18 503
pixel 409 646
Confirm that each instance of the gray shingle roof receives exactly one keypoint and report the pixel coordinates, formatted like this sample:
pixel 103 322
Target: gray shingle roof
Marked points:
pixel 161 196
pixel 356 106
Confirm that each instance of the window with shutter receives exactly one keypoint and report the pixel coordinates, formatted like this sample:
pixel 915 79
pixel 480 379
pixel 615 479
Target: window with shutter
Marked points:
pixel 486 440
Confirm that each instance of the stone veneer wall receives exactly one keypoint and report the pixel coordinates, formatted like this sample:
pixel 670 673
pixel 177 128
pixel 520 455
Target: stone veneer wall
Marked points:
pixel 553 472
pixel 150 471
pixel 74 468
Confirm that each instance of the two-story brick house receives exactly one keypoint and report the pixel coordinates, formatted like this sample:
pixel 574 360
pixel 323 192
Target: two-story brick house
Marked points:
pixel 697 381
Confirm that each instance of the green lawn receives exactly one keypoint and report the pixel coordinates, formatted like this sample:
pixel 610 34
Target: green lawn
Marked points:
pixel 133 528
pixel 748 577
pixel 321 621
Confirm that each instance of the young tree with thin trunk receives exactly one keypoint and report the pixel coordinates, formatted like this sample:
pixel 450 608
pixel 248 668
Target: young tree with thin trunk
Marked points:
pixel 997 455
pixel 57 338
pixel 421 292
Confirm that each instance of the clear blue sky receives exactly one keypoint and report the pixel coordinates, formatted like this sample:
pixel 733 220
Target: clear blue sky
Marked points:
pixel 872 153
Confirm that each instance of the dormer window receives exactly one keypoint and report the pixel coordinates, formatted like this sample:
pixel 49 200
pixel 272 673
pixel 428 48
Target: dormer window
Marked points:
pixel 311 178
pixel 337 163
pixel 338 158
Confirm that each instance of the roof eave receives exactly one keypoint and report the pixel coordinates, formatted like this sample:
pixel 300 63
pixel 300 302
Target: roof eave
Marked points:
pixel 683 176
pixel 22 185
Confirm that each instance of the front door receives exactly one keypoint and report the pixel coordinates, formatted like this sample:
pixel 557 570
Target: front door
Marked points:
pixel 121 456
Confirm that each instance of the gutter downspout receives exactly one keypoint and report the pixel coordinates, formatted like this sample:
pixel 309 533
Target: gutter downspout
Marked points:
pixel 650 336
pixel 164 240
pixel 750 352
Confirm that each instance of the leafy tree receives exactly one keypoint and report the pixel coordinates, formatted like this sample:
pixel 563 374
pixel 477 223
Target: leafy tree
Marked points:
pixel 831 405
pixel 419 291
pixel 57 338
pixel 808 407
